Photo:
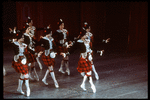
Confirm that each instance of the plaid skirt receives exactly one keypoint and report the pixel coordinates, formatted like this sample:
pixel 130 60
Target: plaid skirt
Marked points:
pixel 39 48
pixel 31 58
pixel 84 66
pixel 47 60
pixel 19 67
pixel 61 49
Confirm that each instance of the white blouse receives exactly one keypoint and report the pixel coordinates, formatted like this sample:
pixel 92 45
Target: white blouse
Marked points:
pixel 64 31
pixel 31 42
pixel 21 50
pixel 47 52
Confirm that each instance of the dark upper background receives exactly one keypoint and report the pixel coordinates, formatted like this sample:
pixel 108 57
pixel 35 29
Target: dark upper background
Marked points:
pixel 126 23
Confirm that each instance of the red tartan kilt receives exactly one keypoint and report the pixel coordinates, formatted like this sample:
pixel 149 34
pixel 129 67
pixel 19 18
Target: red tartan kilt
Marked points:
pixel 30 58
pixel 38 48
pixel 61 49
pixel 47 60
pixel 84 66
pixel 19 67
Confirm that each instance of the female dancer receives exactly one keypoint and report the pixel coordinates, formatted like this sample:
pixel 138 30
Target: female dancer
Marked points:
pixel 29 22
pixel 61 38
pixel 48 55
pixel 31 55
pixel 89 45
pixel 84 65
pixel 19 62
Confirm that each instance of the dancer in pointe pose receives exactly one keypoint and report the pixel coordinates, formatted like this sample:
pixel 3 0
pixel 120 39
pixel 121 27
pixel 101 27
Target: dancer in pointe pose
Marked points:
pixel 31 55
pixel 19 62
pixel 33 29
pixel 61 38
pixel 47 42
pixel 84 65
pixel 89 45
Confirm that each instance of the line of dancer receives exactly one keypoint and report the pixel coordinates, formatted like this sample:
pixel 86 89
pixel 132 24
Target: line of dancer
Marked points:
pixel 51 44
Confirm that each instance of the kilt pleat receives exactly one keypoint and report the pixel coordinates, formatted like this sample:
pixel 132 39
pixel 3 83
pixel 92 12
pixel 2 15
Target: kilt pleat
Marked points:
pixel 61 49
pixel 19 67
pixel 84 66
pixel 31 58
pixel 47 60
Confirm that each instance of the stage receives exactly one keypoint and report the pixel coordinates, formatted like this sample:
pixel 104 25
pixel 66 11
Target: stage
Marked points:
pixel 121 75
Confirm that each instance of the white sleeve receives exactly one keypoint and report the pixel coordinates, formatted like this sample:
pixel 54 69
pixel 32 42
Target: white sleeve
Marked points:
pixel 104 41
pixel 16 57
pixel 14 31
pixel 47 52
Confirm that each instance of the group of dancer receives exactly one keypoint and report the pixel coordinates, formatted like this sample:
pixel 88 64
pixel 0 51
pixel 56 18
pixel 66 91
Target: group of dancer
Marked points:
pixel 26 53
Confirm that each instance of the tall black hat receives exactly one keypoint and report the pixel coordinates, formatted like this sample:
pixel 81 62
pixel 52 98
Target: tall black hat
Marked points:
pixel 47 31
pixel 28 21
pixel 60 22
pixel 18 35
pixel 24 28
pixel 86 26
pixel 82 33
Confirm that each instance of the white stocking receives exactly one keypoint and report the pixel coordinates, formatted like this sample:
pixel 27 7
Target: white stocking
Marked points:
pixel 83 83
pixel 54 79
pixel 61 69
pixel 26 76
pixel 62 63
pixel 47 71
pixel 20 82
pixel 93 68
pixel 27 87
pixel 96 75
pixel 38 61
pixel 92 85
pixel 82 74
pixel 67 67
pixel 44 79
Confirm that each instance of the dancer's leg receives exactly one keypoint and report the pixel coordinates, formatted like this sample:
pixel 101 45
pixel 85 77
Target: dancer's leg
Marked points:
pixel 82 74
pixel 30 71
pixel 67 66
pixel 20 82
pixel 83 82
pixel 94 70
pixel 35 74
pixel 4 71
pixel 91 81
pixel 53 76
pixel 33 70
pixel 44 79
pixel 61 67
pixel 38 61
pixel 26 78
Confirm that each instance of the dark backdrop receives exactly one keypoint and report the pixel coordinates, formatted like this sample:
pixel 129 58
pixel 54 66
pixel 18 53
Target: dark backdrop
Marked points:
pixel 126 23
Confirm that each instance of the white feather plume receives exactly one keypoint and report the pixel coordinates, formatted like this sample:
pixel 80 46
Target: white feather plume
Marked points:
pixel 85 23
pixel 61 20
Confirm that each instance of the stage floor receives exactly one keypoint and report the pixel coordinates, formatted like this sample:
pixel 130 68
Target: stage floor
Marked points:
pixel 121 75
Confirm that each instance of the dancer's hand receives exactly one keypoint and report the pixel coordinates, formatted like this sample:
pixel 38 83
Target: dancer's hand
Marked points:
pixel 41 37
pixel 63 54
pixel 107 40
pixel 68 46
pixel 49 25
pixel 15 28
pixel 101 53
pixel 10 29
